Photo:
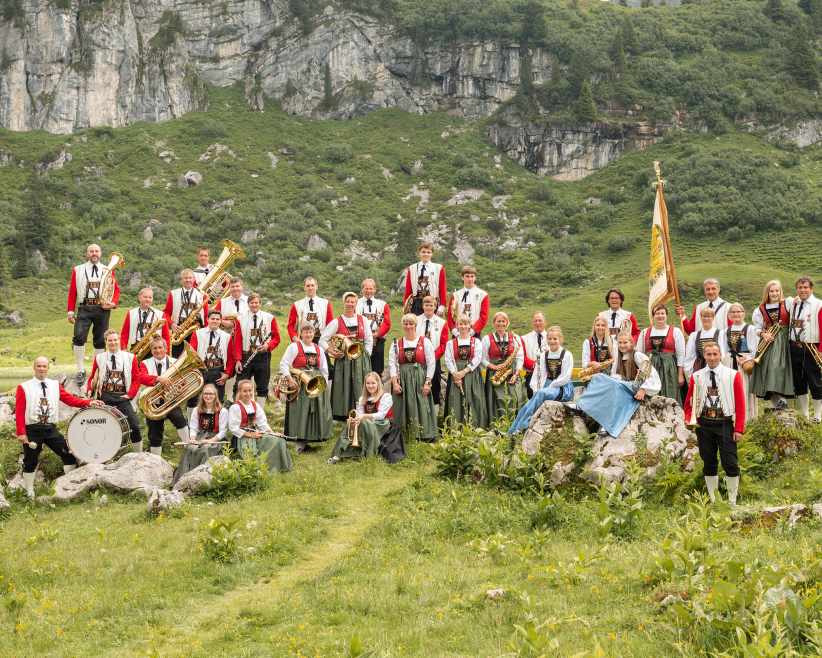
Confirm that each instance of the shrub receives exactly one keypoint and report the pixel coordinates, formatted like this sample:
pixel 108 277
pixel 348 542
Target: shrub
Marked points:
pixel 619 508
pixel 338 153
pixel 220 540
pixel 550 512
pixel 473 176
pixel 620 243
pixel 542 193
pixel 238 477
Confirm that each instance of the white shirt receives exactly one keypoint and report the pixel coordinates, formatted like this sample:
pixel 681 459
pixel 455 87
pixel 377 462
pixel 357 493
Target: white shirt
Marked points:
pixel 758 320
pixel 436 325
pixel 587 357
pixel 34 392
pixel 532 345
pixel 725 383
pixel 519 359
pixel 808 314
pixel 720 308
pixel 201 272
pixel 679 342
pixel 221 341
pixel 86 273
pixel 123 361
pixel 451 359
pixel 386 402
pixel 377 310
pixel 652 383
pixel 228 306
pixel 135 317
pixel 235 419
pixel 264 322
pixel 751 337
pixel 291 353
pixel 402 343
pixel 432 271
pixel 690 347
pixel 222 424
pixel 317 317
pixel 333 328
pixel 540 376
pixel 151 365
pixel 195 299
pixel 470 307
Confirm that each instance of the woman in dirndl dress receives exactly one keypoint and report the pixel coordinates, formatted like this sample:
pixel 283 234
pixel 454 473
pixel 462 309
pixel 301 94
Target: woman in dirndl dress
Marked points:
pixel 599 346
pixel 247 422
pixel 464 395
pixel 207 428
pixel 348 373
pixel 665 344
pixel 740 341
pixel 772 377
pixel 372 420
pixel 306 418
pixel 498 347
pixel 551 379
pixel 411 364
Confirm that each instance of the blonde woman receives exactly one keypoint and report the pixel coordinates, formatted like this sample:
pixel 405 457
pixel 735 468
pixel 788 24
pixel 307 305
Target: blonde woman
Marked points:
pixel 772 377
pixel 411 364
pixel 498 347
pixel 551 379
pixel 665 344
pixel 207 428
pixel 373 419
pixel 598 347
pixel 464 397
pixel 248 423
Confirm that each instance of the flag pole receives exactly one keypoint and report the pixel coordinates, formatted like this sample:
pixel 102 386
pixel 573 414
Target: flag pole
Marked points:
pixel 666 236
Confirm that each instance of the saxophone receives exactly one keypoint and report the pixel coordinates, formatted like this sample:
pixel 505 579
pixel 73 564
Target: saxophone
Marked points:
pixel 142 347
pixel 507 366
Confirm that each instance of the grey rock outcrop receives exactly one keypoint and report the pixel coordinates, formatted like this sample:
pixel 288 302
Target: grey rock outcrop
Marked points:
pixel 198 480
pixel 162 500
pixel 134 471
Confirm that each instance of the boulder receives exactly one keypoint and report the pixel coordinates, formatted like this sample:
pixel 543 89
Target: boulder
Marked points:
pixel 6 408
pixel 198 480
pixel 77 483
pixel 162 500
pixel 4 504
pixel 190 179
pixel 274 160
pixel 464 196
pixel 316 243
pixel 134 471
pixel 13 319
pixel 793 513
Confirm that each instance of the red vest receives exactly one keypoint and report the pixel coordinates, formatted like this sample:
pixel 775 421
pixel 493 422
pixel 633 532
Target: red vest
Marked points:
pixel 494 351
pixel 371 407
pixel 208 421
pixel 301 360
pixel 593 349
pixel 244 414
pixel 360 328
pixel 668 346
pixel 456 348
pixel 419 352
pixel 784 318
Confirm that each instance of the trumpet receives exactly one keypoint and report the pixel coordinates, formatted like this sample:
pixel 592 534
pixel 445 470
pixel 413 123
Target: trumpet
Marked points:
pixel 352 429
pixel 766 339
pixel 142 347
pixel 352 349
pixel 816 355
pixel 107 279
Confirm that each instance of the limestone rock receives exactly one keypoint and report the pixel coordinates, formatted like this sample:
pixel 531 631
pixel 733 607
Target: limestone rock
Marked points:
pixel 134 471
pixel 190 179
pixel 167 156
pixel 463 251
pixel 215 152
pixel 793 513
pixel 4 504
pixel 804 133
pixel 39 261
pixel 57 163
pixel 162 500
pixel 6 408
pixel 148 234
pixel 250 235
pixel 316 243
pixel 464 196
pixel 420 193
pixel 198 480
pixel 78 482
pixel 274 160
pixel 499 201
pixel 14 319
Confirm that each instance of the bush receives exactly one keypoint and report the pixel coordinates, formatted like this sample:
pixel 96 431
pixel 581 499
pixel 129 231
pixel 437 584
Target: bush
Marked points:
pixel 619 508
pixel 550 512
pixel 238 477
pixel 620 243
pixel 338 153
pixel 220 540
pixel 473 176
pixel 542 193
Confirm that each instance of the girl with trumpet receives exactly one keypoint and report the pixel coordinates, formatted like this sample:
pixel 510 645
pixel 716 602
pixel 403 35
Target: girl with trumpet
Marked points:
pixel 307 418
pixel 551 379
pixel 501 350
pixel 464 396
pixel 411 364
pixel 772 376
pixel 367 423
pixel 207 428
pixel 349 368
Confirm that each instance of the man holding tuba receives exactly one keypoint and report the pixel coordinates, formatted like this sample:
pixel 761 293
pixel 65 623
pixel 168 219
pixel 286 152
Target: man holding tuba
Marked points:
pixel 158 363
pixel 139 320
pixel 93 292
pixel 116 376
pixel 181 304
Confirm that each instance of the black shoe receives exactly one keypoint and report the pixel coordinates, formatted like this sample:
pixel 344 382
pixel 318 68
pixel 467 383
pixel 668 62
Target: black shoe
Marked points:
pixel 780 404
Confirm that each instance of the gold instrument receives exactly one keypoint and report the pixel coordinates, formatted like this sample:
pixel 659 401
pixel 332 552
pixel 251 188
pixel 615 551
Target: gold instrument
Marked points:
pixel 352 429
pixel 816 355
pixel 642 374
pixel 186 382
pixel 215 284
pixel 766 339
pixel 142 347
pixel 107 279
pixel 189 325
pixel 352 349
pixel 585 374
pixel 507 366
pixel 314 385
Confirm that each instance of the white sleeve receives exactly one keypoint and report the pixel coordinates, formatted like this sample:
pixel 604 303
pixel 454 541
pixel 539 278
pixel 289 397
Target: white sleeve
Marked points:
pixel 235 419
pixel 519 359
pixel 679 343
pixel 565 373
pixel 479 351
pixel 448 357
pixel 722 339
pixel 223 424
pixel 288 358
pixel 368 343
pixel 586 353
pixel 386 402
pixel 690 354
pixel 640 343
pixel 393 359
pixel 360 407
pixel 430 359
pixel 194 424
pixel 486 348
pixel 652 383
pixel 753 339
pixel 260 420
pixel 757 319
pixel 330 330
pixel 322 361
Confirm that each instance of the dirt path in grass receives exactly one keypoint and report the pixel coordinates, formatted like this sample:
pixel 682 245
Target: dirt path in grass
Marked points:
pixel 208 617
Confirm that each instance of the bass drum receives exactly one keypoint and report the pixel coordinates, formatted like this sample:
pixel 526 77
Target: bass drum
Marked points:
pixel 95 434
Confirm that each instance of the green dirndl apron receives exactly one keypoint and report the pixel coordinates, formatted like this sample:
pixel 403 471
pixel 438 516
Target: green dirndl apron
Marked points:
pixel 665 364
pixel 502 399
pixel 774 372
pixel 309 419
pixel 468 408
pixel 414 411
pixel 369 434
pixel 346 387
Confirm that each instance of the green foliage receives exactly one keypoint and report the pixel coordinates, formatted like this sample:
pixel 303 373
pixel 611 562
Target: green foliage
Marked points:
pixel 620 504
pixel 220 540
pixel 473 176
pixel 550 512
pixel 802 60
pixel 169 27
pixel 304 11
pixel 238 477
pixel 338 153
pixel 620 243
pixel 585 110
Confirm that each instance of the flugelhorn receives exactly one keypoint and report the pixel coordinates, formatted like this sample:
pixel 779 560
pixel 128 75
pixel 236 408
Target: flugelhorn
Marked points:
pixel 186 381
pixel 215 284
pixel 107 283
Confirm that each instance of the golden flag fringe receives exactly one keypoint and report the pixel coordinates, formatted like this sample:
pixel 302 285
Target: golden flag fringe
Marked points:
pixel 662 286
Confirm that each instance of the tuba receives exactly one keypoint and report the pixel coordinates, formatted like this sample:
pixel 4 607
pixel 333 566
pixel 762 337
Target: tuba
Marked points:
pixel 107 282
pixel 142 347
pixel 502 375
pixel 186 382
pixel 352 349
pixel 215 284
pixel 352 429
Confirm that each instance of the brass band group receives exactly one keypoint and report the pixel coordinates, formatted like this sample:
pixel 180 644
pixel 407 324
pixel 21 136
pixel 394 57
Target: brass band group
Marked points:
pixel 203 363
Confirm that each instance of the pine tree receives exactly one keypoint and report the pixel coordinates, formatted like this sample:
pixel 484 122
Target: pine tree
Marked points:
pixel 32 229
pixel 585 110
pixel 775 10
pixel 813 8
pixel 628 36
pixel 802 60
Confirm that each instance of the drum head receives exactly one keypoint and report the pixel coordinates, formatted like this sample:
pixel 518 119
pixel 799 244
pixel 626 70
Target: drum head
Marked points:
pixel 94 435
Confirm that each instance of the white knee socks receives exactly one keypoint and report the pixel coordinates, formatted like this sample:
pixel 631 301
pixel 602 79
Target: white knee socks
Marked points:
pixel 732 485
pixel 137 446
pixel 28 484
pixel 79 355
pixel 817 409
pixel 802 404
pixel 156 450
pixel 712 483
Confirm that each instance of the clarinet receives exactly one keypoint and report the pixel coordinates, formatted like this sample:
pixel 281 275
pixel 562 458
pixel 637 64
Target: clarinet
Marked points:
pixel 255 351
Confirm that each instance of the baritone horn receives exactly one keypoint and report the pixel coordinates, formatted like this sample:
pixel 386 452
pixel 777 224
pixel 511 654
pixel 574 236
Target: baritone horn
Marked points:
pixel 215 284
pixel 107 283
pixel 314 385
pixel 186 382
